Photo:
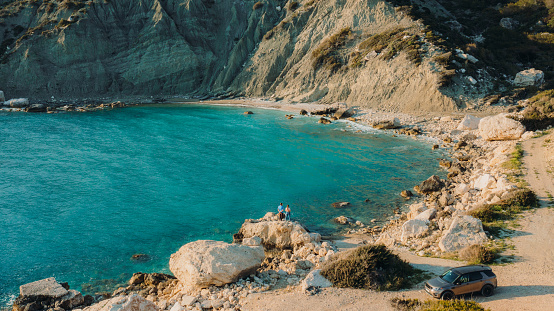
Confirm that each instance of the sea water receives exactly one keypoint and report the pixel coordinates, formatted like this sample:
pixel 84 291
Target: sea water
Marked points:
pixel 80 193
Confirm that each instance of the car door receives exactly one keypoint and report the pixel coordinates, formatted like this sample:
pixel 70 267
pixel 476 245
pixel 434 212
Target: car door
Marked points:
pixel 469 282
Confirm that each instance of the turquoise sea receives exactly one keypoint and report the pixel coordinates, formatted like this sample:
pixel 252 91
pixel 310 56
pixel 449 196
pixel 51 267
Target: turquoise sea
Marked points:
pixel 80 193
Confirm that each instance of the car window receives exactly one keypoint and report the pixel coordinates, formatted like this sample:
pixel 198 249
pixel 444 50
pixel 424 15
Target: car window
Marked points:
pixel 449 276
pixel 464 278
pixel 489 273
pixel 474 276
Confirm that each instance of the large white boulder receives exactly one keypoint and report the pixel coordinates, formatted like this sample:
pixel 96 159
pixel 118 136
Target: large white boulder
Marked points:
pixel 469 122
pixel 315 279
pixel 124 303
pixel 414 228
pixel 464 231
pixel 206 262
pixel 279 234
pixel 529 77
pixel 500 127
pixel 485 181
pixel 46 288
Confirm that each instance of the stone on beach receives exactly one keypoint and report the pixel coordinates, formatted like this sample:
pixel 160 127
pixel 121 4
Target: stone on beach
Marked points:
pixel 500 127
pixel 469 122
pixel 276 234
pixel 431 184
pixel 203 263
pixel 464 231
pixel 124 303
pixel 316 280
pixel 387 124
pixel 17 103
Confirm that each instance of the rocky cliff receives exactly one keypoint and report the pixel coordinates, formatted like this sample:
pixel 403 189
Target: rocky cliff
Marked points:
pixel 364 53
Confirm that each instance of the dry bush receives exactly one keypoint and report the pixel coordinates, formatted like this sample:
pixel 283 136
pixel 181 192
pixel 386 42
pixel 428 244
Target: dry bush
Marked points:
pixel 477 254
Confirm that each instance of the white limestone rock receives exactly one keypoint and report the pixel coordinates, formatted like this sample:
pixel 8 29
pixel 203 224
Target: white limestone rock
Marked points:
pixel 46 288
pixel 469 122
pixel 315 279
pixel 416 209
pixel 464 231
pixel 500 127
pixel 427 215
pixel 253 241
pixel 529 77
pixel 280 234
pixel 203 263
pixel 485 181
pixel 414 228
pixel 124 303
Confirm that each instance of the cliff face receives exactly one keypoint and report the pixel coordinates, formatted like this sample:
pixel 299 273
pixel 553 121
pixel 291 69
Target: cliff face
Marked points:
pixel 301 52
pixel 127 46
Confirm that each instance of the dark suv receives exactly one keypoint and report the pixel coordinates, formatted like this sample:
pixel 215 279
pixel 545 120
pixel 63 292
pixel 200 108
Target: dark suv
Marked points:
pixel 462 280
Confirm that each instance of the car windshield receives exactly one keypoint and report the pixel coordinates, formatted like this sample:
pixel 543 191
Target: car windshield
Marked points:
pixel 449 276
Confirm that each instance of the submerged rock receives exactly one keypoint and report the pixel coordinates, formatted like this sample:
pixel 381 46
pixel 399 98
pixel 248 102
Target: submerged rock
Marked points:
pixel 204 263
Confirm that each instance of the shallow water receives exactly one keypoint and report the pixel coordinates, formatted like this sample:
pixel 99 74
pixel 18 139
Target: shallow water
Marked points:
pixel 80 193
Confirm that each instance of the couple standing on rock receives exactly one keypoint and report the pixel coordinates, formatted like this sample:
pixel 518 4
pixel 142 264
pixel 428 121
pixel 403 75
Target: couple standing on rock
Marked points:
pixel 283 212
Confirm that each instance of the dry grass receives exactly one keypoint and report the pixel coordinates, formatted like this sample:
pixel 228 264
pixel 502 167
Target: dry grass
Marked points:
pixel 326 54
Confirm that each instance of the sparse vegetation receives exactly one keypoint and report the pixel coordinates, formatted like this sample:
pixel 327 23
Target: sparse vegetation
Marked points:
pixel 477 254
pixel 326 54
pixel 435 305
pixel 515 162
pixel 540 111
pixel 494 216
pixel 371 267
pixel 292 6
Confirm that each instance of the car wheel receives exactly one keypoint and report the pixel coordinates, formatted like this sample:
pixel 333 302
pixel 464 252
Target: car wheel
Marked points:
pixel 487 290
pixel 448 295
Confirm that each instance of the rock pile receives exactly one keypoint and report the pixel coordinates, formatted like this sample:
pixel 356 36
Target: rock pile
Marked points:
pixel 48 294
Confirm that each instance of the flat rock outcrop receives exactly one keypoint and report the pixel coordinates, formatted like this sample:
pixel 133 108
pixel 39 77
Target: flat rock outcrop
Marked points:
pixel 203 263
pixel 47 294
pixel 464 231
pixel 500 127
pixel 277 234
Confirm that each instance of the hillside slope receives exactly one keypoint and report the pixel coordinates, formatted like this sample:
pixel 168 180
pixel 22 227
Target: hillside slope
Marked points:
pixel 365 53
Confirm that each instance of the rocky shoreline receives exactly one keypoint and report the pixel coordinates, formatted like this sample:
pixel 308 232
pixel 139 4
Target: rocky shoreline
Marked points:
pixel 435 225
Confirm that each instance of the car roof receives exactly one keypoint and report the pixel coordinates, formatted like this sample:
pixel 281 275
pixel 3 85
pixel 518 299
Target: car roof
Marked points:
pixel 473 268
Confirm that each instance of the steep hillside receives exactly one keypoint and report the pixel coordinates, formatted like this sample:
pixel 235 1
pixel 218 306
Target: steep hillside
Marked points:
pixel 401 55
pixel 75 48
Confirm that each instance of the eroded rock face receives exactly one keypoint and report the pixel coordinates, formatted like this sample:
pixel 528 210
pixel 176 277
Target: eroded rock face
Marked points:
pixel 124 303
pixel 276 234
pixel 500 127
pixel 464 231
pixel 204 263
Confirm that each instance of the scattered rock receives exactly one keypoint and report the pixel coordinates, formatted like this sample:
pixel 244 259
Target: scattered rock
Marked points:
pixel 316 280
pixel 432 184
pixel 324 121
pixel 406 194
pixel 464 231
pixel 203 263
pixel 341 204
pixel 248 112
pixel 140 257
pixel 469 122
pixel 387 124
pixel 500 127
pixel 303 112
pixel 124 303
pixel 343 220
pixel 529 77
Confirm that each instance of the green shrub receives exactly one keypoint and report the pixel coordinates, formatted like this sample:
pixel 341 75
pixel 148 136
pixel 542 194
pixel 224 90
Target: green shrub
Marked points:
pixel 370 267
pixel 326 54
pixel 477 254
pixel 436 305
pixel 257 5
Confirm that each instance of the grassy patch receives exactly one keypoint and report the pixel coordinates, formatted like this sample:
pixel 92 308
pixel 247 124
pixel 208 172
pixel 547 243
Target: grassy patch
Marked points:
pixel 435 305
pixel 495 216
pixel 516 156
pixel 326 54
pixel 539 113
pixel 371 267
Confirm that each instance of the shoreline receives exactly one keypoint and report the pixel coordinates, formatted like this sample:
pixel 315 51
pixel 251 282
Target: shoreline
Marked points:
pixel 431 127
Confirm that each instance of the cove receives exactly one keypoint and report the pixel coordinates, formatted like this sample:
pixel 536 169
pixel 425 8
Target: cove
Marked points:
pixel 80 193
